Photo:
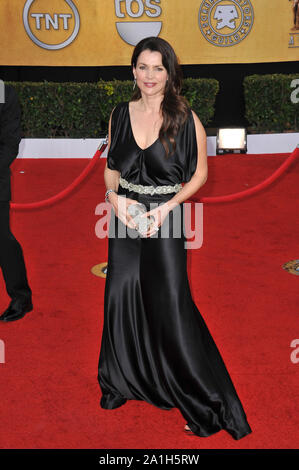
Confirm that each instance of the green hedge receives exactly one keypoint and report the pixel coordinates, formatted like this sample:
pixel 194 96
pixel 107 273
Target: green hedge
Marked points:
pixel 82 110
pixel 268 105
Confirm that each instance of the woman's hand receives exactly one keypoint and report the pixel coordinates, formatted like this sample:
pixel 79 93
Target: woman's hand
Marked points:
pixel 120 205
pixel 159 214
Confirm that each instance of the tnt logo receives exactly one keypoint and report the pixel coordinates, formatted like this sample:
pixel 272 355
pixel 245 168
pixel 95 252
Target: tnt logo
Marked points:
pixel 52 25
pixel 133 31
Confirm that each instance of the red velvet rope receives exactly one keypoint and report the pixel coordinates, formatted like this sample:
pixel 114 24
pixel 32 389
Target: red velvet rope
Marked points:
pixel 229 197
pixel 68 189
pixel 254 189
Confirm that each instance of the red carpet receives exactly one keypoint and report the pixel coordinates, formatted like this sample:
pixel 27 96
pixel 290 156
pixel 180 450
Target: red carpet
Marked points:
pixel 49 390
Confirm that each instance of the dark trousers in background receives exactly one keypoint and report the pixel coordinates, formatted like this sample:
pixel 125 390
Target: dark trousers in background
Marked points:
pixel 12 260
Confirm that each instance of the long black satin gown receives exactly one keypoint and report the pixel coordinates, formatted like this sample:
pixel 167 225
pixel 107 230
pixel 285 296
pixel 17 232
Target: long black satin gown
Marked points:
pixel 155 344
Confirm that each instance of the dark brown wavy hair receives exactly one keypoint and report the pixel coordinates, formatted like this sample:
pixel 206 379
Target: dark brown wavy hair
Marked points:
pixel 174 106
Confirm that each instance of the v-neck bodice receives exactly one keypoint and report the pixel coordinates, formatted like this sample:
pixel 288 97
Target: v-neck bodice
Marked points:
pixel 150 166
pixel 140 148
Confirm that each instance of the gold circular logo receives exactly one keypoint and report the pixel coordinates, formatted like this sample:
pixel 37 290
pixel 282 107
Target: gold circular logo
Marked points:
pixel 225 22
pixel 51 26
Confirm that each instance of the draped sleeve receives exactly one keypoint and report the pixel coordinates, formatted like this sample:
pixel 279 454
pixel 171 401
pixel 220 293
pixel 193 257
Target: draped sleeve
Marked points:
pixel 115 116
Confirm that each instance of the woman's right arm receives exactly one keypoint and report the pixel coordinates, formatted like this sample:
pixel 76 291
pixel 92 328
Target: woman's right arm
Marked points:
pixel 111 177
pixel 119 203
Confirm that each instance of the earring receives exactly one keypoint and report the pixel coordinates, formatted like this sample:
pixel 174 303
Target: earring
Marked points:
pixel 134 83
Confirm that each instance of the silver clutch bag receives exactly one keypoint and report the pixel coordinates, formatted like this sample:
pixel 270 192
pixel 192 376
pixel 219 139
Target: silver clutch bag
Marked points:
pixel 143 223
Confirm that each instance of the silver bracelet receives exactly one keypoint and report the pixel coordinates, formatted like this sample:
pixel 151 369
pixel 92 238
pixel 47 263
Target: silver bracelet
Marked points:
pixel 107 193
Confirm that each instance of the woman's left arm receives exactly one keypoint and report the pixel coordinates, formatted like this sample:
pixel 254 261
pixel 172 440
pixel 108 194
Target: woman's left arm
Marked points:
pixel 201 173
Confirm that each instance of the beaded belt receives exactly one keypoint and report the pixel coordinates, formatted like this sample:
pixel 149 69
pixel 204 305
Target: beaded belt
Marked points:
pixel 139 188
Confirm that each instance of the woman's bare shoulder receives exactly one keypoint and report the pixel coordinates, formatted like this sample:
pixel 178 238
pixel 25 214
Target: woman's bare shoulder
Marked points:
pixel 198 124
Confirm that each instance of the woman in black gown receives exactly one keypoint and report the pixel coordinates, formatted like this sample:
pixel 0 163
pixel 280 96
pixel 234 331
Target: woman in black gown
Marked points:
pixel 155 344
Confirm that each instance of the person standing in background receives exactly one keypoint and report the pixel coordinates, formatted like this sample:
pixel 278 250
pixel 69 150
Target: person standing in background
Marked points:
pixel 11 254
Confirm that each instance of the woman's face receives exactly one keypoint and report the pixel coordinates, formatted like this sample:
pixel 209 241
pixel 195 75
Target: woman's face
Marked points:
pixel 150 73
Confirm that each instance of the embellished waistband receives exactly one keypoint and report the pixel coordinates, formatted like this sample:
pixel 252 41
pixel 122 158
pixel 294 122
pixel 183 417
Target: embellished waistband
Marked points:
pixel 139 188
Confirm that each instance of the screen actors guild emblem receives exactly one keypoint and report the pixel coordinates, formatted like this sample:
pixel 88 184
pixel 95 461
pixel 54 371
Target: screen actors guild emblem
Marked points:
pixel 225 22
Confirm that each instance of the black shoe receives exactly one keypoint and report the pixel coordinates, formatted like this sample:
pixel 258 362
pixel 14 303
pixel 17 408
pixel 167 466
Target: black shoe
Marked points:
pixel 16 310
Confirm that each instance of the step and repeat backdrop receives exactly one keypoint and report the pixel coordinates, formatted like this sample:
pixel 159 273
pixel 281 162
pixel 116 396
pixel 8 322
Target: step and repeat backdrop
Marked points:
pixel 104 32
